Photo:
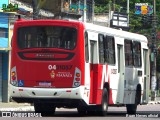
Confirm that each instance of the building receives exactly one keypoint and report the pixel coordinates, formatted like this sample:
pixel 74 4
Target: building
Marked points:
pixel 4 53
pixel 61 9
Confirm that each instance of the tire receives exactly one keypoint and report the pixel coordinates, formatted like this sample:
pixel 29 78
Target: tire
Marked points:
pixel 132 108
pixel 82 110
pixel 138 95
pixel 44 109
pixel 103 108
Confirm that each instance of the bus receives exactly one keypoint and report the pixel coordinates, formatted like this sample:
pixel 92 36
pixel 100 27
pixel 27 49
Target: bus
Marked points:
pixel 71 64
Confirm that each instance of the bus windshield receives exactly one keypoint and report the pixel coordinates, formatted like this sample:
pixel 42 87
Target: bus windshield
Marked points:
pixel 47 37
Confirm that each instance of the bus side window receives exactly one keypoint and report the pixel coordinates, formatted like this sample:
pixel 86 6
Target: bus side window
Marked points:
pixel 109 45
pixel 101 48
pixel 137 54
pixel 86 47
pixel 128 53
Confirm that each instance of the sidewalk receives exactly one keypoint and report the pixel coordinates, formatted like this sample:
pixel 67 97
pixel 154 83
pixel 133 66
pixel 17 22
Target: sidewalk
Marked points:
pixel 157 101
pixel 13 106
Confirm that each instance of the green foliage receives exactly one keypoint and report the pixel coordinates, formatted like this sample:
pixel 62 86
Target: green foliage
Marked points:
pixel 136 22
pixel 100 9
pixel 101 2
pixel 101 6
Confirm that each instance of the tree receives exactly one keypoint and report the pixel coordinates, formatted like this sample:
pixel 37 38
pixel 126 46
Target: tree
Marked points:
pixel 101 2
pixel 136 21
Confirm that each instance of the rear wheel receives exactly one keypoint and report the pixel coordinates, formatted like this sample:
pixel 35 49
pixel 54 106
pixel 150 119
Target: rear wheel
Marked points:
pixel 103 108
pixel 132 108
pixel 82 110
pixel 45 109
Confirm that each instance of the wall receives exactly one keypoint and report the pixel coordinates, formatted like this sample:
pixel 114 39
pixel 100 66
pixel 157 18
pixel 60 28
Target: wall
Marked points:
pixel 4 54
pixel 1 77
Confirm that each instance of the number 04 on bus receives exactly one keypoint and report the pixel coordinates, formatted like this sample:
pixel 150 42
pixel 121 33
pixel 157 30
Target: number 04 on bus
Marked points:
pixel 70 64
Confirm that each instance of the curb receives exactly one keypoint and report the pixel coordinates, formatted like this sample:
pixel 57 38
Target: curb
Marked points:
pixel 26 108
pixel 154 102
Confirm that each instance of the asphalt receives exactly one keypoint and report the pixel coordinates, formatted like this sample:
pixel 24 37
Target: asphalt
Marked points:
pixel 13 106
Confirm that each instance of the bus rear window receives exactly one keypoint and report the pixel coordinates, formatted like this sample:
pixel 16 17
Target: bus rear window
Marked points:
pixel 47 37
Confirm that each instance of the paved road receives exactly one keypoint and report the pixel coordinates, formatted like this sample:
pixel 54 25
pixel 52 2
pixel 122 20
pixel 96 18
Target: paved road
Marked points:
pixel 144 112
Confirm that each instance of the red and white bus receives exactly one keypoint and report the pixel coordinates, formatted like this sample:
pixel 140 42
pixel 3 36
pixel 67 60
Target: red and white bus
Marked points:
pixel 70 64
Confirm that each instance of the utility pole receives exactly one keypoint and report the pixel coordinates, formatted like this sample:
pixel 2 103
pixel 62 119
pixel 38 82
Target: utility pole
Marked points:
pixel 35 9
pixel 113 5
pixel 84 11
pixel 128 11
pixel 153 54
pixel 109 16
pixel 93 4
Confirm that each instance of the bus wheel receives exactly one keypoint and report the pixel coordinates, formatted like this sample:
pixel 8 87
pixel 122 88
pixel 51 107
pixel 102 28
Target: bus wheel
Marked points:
pixel 131 108
pixel 103 108
pixel 44 109
pixel 82 110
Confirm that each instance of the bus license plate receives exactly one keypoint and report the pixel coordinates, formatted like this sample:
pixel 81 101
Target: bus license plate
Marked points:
pixel 45 84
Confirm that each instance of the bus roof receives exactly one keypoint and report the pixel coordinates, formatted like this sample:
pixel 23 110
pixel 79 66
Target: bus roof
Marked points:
pixel 116 32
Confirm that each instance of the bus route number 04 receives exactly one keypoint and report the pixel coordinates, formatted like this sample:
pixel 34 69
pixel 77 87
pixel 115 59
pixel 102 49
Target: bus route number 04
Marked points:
pixel 52 67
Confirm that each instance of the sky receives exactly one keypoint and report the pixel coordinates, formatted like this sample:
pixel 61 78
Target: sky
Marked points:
pixel 3 2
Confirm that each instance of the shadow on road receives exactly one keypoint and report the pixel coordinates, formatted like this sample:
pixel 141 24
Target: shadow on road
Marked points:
pixel 109 114
pixel 75 114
